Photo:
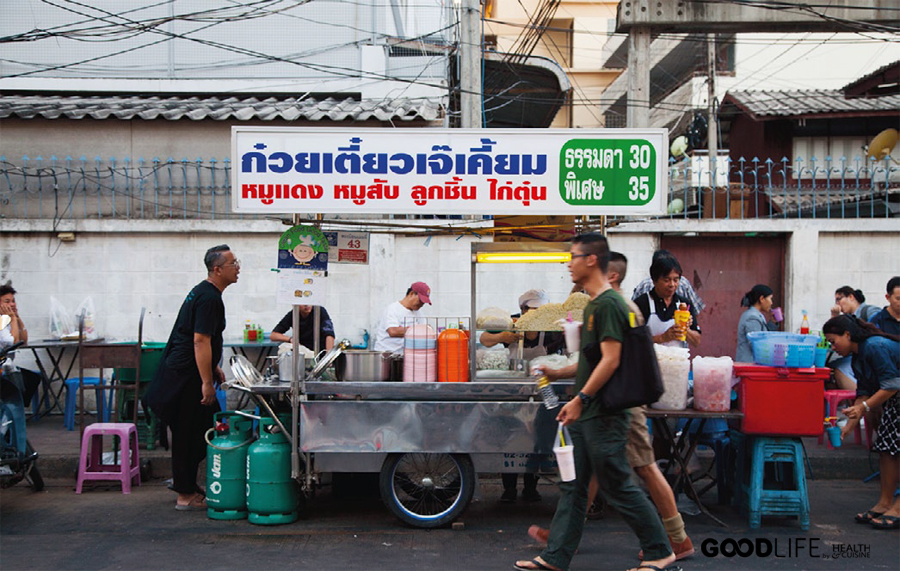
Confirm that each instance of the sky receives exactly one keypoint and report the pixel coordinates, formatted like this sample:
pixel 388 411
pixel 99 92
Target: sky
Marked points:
pixel 809 61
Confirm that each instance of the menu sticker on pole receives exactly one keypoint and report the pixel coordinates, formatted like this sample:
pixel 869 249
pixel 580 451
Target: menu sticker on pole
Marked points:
pixel 302 267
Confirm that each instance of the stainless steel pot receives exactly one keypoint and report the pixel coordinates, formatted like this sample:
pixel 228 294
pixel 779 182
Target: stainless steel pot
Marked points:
pixel 284 366
pixel 367 366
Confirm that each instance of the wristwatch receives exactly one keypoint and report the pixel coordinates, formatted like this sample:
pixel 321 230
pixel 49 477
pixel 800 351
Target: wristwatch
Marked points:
pixel 585 399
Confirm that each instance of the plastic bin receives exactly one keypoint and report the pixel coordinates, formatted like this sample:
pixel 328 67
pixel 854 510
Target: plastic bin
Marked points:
pixel 780 349
pixel 781 401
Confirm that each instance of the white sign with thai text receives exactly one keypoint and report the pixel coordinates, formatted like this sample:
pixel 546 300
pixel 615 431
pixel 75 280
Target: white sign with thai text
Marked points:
pixel 449 171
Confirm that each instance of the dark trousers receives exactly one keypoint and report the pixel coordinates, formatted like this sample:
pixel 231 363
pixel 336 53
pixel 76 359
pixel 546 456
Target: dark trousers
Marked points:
pixel 529 480
pixel 600 449
pixel 189 426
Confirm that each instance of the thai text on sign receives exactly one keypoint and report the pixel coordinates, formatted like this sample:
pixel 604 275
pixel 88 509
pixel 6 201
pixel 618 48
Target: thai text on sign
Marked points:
pixel 449 171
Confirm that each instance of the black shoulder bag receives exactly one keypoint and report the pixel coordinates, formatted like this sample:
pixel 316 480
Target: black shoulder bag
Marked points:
pixel 637 381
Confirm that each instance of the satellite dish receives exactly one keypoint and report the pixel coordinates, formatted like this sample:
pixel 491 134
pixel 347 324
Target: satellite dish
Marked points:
pixel 883 143
pixel 679 146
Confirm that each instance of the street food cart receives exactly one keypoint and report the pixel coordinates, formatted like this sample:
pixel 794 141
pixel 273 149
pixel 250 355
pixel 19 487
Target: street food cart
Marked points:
pixel 428 441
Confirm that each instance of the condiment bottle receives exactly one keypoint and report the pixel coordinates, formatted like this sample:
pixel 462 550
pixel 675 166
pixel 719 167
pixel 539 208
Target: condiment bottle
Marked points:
pixel 682 316
pixel 551 401
pixel 804 325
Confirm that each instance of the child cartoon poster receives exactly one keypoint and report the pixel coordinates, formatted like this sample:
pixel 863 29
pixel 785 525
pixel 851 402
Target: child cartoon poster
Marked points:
pixel 303 248
pixel 302 267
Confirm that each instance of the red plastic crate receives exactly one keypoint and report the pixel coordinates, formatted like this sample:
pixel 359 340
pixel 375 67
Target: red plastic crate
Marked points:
pixel 782 401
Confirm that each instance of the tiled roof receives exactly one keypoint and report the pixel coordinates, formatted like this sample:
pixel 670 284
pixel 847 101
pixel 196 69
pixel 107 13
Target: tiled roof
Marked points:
pixel 809 102
pixel 174 108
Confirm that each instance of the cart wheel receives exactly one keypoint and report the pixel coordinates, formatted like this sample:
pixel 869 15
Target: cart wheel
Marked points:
pixel 427 490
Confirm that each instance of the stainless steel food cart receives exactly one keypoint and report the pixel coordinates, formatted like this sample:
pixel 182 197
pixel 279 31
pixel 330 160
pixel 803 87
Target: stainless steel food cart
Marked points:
pixel 428 441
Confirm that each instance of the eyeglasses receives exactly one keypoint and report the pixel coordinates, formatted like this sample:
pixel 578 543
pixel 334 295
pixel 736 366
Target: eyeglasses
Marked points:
pixel 580 255
pixel 236 264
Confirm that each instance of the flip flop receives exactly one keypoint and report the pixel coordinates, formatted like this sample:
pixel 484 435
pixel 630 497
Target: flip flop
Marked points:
pixel 868 516
pixel 197 503
pixel 887 522
pixel 538 566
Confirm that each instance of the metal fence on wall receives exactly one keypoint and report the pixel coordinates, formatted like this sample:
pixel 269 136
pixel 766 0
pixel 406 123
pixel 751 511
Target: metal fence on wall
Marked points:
pixel 200 189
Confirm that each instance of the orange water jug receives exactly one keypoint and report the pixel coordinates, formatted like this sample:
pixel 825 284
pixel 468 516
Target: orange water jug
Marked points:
pixel 453 356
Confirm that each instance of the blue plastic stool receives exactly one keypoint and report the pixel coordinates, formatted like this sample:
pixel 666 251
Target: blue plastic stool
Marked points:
pixel 72 392
pixel 721 445
pixel 780 502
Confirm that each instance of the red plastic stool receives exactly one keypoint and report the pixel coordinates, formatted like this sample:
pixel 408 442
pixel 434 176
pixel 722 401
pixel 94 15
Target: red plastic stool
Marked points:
pixel 91 466
pixel 832 400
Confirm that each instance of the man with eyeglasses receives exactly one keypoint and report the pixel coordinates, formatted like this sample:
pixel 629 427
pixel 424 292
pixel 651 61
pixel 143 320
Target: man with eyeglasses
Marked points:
pixel 400 315
pixel 183 391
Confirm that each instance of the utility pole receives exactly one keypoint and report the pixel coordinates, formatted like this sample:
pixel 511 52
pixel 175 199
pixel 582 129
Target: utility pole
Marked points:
pixel 637 115
pixel 470 99
pixel 712 133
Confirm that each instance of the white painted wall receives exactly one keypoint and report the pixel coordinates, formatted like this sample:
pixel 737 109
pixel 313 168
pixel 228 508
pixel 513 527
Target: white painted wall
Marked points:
pixel 124 266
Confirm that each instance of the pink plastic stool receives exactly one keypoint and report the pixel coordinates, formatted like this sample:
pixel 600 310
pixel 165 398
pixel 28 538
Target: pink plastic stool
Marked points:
pixel 91 467
pixel 832 400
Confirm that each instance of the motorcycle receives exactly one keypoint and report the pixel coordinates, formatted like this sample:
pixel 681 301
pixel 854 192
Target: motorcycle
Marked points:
pixel 18 460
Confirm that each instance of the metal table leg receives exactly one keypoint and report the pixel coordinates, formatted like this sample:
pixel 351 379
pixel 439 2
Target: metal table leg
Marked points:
pixel 683 480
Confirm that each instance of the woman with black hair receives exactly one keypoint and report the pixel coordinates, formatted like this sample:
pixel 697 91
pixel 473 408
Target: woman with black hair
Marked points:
pixel 876 362
pixel 758 302
pixel 851 301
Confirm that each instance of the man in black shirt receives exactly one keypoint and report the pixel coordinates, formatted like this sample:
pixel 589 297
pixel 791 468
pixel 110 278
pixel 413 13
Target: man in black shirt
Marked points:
pixel 307 329
pixel 183 392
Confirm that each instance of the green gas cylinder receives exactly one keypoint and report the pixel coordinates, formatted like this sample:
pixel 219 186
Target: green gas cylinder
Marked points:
pixel 226 461
pixel 272 496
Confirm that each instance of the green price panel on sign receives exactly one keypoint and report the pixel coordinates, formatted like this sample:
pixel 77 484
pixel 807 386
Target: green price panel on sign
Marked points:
pixel 598 172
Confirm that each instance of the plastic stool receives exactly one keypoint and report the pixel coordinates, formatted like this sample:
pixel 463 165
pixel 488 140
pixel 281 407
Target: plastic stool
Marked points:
pixel 91 466
pixel 763 501
pixel 72 392
pixel 721 445
pixel 832 400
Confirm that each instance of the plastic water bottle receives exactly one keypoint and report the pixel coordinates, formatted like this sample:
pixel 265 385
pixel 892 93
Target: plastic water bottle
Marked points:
pixel 551 401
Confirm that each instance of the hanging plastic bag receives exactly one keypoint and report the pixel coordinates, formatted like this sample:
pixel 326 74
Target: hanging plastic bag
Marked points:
pixel 86 308
pixel 565 454
pixel 60 322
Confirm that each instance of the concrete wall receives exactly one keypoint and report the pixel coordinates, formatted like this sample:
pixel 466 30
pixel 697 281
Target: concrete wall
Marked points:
pixel 126 265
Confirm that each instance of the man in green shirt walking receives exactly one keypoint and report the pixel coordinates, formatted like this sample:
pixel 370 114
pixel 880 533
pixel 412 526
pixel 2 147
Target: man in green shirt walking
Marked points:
pixel 599 436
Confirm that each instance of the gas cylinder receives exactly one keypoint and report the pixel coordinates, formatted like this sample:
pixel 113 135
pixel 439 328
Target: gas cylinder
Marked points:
pixel 272 496
pixel 453 356
pixel 226 460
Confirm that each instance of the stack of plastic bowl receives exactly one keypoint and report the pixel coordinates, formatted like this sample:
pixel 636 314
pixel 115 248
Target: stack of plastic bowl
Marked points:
pixel 420 354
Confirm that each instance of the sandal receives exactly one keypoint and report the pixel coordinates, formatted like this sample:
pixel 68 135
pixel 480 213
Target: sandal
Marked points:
pixel 886 522
pixel 868 516
pixel 197 503
pixel 538 566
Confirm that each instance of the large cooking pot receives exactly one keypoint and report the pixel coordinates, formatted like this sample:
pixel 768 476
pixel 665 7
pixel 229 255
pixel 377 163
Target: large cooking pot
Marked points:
pixel 367 366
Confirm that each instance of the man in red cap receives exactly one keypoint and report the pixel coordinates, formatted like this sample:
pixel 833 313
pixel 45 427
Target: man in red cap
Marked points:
pixel 400 315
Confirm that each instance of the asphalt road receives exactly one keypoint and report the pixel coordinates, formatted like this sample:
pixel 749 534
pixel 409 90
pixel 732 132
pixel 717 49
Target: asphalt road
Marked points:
pixel 104 529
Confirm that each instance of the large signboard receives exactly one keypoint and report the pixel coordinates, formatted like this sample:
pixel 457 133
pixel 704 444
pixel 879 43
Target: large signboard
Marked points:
pixel 449 171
